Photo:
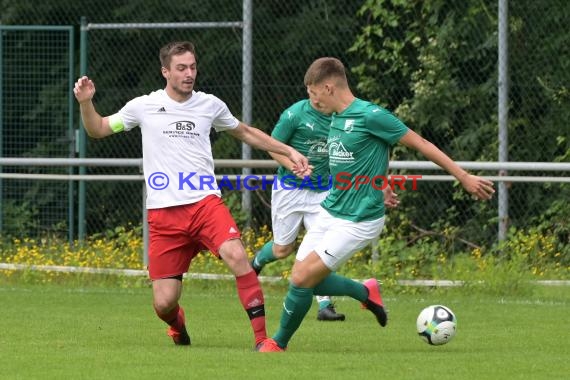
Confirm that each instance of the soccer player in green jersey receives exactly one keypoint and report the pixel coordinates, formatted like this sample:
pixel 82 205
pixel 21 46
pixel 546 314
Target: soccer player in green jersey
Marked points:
pixel 296 201
pixel 359 141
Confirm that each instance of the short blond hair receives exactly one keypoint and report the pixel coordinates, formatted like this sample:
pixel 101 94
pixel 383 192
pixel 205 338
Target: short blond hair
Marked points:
pixel 326 68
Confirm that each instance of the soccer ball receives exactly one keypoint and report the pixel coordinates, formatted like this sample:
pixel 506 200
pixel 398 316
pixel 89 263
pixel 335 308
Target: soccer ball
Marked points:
pixel 436 324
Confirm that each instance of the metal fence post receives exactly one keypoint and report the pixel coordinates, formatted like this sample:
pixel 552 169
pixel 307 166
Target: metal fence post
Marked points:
pixel 503 111
pixel 81 218
pixel 247 88
pixel 71 136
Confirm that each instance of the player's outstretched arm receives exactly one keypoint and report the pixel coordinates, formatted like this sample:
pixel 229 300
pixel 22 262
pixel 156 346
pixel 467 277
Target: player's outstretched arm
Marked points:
pixel 95 125
pixel 477 186
pixel 260 140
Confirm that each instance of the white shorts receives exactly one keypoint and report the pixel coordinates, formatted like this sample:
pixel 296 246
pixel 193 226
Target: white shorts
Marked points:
pixel 291 207
pixel 335 240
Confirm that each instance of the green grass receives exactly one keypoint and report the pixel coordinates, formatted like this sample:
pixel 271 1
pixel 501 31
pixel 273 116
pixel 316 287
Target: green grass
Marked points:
pixel 56 332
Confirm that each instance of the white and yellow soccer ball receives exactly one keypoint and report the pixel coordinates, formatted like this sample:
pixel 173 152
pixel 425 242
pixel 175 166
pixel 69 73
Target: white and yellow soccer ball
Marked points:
pixel 436 324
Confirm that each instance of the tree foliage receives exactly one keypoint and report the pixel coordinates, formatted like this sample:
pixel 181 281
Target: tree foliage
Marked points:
pixel 434 63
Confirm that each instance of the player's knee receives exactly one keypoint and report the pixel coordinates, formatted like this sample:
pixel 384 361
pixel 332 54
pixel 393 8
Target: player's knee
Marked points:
pixel 237 261
pixel 163 305
pixel 234 256
pixel 282 251
pixel 301 275
pixel 299 279
pixel 233 252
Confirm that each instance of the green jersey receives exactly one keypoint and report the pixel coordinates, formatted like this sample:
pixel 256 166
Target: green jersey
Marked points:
pixel 359 145
pixel 305 129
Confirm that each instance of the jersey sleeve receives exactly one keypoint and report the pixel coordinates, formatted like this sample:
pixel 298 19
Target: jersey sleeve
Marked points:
pixel 386 126
pixel 285 126
pixel 223 118
pixel 128 117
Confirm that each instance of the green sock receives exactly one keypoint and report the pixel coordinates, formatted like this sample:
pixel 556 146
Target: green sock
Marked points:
pixel 296 305
pixel 336 285
pixel 264 256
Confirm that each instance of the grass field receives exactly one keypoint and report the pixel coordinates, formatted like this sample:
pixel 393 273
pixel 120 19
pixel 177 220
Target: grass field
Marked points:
pixel 55 332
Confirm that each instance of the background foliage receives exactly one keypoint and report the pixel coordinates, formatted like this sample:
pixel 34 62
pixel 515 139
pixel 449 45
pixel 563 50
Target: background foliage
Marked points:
pixel 434 63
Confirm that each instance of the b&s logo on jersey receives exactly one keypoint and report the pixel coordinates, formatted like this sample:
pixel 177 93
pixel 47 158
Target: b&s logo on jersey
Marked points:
pixel 339 154
pixel 184 125
pixel 181 128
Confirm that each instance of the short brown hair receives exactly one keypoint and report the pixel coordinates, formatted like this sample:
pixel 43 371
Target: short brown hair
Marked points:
pixel 175 48
pixel 325 68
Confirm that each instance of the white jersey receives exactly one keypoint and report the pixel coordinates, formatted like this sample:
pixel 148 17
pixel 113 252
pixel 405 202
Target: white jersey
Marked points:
pixel 177 153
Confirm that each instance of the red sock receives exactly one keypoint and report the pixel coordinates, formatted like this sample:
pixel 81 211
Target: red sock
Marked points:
pixel 174 317
pixel 251 297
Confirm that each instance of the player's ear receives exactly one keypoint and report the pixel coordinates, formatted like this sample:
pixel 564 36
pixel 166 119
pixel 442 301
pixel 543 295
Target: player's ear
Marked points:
pixel 164 72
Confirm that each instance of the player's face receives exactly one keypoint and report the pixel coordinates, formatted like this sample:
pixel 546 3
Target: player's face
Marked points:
pixel 181 74
pixel 320 97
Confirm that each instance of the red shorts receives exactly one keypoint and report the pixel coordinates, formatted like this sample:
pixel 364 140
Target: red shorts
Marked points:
pixel 179 233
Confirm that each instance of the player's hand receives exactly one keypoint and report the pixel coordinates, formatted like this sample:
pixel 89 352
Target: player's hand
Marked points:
pixel 390 198
pixel 84 89
pixel 302 173
pixel 480 188
pixel 301 167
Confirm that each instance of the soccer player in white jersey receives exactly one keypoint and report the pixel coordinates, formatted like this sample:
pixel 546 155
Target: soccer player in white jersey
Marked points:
pixel 185 211
pixel 359 141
